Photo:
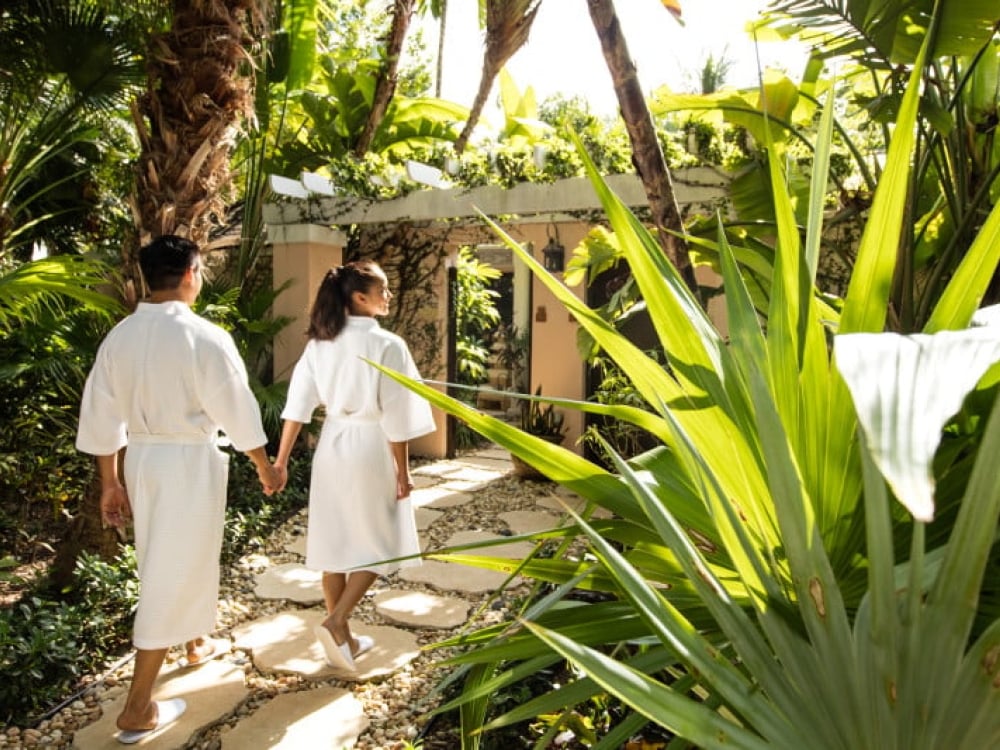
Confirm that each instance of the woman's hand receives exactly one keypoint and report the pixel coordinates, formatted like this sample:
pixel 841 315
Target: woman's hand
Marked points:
pixel 115 507
pixel 404 483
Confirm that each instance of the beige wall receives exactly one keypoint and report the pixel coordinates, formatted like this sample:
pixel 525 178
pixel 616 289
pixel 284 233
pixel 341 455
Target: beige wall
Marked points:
pixel 302 253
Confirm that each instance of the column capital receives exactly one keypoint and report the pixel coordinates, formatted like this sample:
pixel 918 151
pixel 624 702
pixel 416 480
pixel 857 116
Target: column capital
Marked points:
pixel 305 234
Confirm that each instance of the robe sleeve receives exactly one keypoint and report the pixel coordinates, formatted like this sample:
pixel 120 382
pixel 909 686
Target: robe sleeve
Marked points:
pixel 405 415
pixel 303 393
pixel 101 430
pixel 228 399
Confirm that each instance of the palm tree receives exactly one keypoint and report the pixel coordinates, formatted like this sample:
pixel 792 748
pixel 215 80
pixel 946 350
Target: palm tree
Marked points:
pixel 646 152
pixel 508 23
pixel 385 87
pixel 199 87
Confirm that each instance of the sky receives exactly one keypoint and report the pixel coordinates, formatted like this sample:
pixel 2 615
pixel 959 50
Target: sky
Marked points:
pixel 563 54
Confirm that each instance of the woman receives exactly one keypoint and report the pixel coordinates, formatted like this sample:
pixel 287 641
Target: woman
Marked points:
pixel 359 509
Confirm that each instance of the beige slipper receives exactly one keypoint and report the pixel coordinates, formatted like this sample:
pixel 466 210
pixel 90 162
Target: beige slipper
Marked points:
pixel 338 657
pixel 219 646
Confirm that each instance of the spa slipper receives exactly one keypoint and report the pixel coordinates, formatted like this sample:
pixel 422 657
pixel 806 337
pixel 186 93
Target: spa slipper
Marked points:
pixel 338 657
pixel 220 646
pixel 365 643
pixel 167 712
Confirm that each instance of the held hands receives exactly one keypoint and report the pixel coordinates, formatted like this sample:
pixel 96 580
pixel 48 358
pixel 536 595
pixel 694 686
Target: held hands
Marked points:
pixel 272 479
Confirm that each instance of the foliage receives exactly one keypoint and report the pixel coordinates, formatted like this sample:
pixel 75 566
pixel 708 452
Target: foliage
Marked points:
pixel 476 315
pixel 510 350
pixel 251 516
pixel 49 643
pixel 766 593
pixel 543 421
pixel 956 176
pixel 68 67
pixel 615 388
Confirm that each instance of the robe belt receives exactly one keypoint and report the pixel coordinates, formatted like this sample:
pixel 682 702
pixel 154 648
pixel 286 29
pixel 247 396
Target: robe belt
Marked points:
pixel 352 419
pixel 173 438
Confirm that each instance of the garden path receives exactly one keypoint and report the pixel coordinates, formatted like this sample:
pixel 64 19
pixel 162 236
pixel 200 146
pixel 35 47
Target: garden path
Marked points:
pixel 385 703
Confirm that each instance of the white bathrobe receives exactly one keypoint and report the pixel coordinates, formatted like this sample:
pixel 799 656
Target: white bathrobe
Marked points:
pixel 165 382
pixel 355 521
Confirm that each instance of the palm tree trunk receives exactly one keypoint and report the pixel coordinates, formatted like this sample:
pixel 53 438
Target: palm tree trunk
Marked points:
pixel 385 88
pixel 647 156
pixel 439 68
pixel 200 85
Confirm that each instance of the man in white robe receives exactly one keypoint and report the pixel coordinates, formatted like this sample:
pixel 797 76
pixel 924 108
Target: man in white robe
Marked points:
pixel 165 383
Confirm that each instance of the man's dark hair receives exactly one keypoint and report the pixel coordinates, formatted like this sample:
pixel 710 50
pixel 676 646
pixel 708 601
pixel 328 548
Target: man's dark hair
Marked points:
pixel 165 260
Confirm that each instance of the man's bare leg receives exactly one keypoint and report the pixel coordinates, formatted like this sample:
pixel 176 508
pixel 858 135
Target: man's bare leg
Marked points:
pixel 354 590
pixel 139 712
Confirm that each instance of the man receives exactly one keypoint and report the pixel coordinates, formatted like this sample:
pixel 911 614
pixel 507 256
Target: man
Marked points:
pixel 165 382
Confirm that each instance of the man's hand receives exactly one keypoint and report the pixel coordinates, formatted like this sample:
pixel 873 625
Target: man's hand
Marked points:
pixel 115 508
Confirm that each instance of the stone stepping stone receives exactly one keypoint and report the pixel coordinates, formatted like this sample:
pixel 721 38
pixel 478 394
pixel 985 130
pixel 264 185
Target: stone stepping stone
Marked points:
pixel 529 521
pixel 425 517
pixel 291 581
pixel 446 576
pixel 557 502
pixel 463 485
pixel 454 577
pixel 212 691
pixel 327 717
pixel 297 547
pixel 284 643
pixel 419 609
pixel 493 460
pixel 471 474
pixel 495 453
pixel 423 480
pixel 513 550
pixel 436 469
pixel 439 496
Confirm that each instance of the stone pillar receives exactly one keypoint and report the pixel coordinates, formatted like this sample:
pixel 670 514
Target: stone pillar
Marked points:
pixel 302 253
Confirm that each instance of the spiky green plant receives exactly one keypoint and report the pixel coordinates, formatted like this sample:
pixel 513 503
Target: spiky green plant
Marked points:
pixel 762 596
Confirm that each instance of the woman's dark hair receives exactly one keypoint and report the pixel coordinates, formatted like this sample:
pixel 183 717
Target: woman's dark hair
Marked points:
pixel 165 260
pixel 333 299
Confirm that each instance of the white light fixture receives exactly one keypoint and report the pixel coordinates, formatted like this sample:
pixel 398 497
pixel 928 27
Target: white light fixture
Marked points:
pixel 425 174
pixel 287 187
pixel 318 184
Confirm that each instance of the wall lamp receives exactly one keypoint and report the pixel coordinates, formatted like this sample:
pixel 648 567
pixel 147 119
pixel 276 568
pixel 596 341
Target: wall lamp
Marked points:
pixel 554 254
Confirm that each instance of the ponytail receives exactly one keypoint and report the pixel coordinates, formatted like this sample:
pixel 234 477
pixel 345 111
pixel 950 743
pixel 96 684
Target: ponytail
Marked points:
pixel 333 298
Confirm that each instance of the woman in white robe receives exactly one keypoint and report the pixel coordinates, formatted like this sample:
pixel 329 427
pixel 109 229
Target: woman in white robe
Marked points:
pixel 359 510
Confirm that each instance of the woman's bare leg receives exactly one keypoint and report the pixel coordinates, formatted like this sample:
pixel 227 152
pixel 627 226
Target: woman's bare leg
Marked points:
pixel 354 590
pixel 333 589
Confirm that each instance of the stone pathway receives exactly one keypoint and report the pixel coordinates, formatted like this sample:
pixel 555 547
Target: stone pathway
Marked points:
pixel 274 690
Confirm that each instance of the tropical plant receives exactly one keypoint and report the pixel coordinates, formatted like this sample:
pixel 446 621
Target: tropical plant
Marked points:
pixel 544 421
pixel 67 67
pixel 507 27
pixel 765 594
pixel 476 315
pixel 956 176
